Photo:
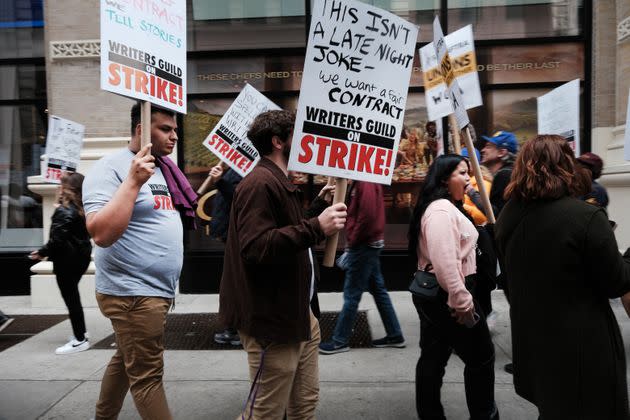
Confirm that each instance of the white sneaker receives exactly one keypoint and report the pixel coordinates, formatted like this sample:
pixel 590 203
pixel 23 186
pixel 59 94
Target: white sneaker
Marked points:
pixel 73 346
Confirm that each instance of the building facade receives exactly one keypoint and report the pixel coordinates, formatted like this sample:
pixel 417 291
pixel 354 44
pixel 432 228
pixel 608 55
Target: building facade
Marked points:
pixel 524 49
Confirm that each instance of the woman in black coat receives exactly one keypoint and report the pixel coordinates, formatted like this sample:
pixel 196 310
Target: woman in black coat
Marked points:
pixel 562 265
pixel 69 249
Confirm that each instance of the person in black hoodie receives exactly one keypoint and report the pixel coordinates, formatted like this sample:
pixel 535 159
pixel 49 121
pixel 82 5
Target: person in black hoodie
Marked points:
pixel 69 249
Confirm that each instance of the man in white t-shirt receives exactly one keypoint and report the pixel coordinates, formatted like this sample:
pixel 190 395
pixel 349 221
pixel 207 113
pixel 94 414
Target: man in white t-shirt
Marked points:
pixel 138 233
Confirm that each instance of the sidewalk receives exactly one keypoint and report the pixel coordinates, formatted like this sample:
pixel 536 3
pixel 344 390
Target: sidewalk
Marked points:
pixel 360 384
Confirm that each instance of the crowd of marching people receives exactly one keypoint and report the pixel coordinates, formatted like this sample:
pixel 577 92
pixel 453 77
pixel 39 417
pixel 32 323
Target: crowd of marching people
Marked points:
pixel 552 251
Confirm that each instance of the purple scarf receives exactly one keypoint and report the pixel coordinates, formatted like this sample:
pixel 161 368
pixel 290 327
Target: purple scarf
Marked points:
pixel 182 194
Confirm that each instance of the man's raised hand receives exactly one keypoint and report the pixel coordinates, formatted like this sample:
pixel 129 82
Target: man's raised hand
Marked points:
pixel 142 166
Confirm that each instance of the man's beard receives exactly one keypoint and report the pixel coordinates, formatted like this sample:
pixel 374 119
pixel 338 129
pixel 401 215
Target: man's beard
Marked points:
pixel 286 151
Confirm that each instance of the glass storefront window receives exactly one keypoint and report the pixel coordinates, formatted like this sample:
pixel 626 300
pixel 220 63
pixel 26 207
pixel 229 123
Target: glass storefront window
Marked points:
pixel 273 73
pixel 513 110
pixel 22 82
pixel 22 29
pixel 245 24
pixel 22 140
pixel 501 19
pixel 420 12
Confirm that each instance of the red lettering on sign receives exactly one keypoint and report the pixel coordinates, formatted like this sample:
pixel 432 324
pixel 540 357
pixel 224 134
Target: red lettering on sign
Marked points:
pixel 365 155
pixel 141 82
pixel 306 143
pixel 323 144
pixel 338 152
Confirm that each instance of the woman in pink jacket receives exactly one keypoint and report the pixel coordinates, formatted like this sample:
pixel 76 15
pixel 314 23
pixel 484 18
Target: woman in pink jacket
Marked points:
pixel 444 240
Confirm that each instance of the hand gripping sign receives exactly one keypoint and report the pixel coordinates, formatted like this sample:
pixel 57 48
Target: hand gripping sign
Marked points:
pixel 63 148
pixel 461 51
pixel 228 139
pixel 353 94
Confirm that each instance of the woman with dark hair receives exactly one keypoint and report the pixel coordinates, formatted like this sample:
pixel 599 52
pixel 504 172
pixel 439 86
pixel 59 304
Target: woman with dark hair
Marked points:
pixel 562 266
pixel 443 238
pixel 69 249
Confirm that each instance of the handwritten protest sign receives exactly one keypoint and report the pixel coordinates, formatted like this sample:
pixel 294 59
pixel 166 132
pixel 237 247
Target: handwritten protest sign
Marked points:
pixel 354 90
pixel 228 139
pixel 143 51
pixel 63 148
pixel 559 113
pixel 461 51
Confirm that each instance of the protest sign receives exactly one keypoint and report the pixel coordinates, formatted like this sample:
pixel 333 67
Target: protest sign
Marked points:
pixel 461 116
pixel 63 148
pixel 461 51
pixel 626 151
pixel 559 113
pixel 228 139
pixel 143 51
pixel 354 90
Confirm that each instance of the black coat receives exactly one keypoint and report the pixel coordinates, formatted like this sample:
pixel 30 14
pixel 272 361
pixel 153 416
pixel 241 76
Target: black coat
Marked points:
pixel 563 265
pixel 69 243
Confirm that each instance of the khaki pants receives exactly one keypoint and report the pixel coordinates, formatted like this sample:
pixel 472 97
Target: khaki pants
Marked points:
pixel 138 364
pixel 290 378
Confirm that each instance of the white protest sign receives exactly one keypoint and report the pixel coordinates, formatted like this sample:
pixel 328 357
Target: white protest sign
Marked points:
pixel 626 151
pixel 434 87
pixel 63 148
pixel 228 139
pixel 453 91
pixel 559 113
pixel 143 51
pixel 461 51
pixel 354 90
pixel 458 105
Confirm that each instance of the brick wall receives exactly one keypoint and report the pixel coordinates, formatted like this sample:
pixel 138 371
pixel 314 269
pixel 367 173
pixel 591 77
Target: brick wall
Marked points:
pixel 73 83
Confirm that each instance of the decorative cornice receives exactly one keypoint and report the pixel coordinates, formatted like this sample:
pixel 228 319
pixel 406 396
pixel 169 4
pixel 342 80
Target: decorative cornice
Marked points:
pixel 623 30
pixel 63 50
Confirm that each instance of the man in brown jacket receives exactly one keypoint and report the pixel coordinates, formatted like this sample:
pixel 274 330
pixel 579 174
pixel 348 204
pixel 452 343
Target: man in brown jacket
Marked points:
pixel 268 277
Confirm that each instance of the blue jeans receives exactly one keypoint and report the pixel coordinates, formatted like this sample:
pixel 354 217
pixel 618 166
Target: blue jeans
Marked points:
pixel 363 273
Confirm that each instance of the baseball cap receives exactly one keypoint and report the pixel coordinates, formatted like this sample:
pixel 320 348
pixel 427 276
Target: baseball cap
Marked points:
pixel 465 153
pixel 503 140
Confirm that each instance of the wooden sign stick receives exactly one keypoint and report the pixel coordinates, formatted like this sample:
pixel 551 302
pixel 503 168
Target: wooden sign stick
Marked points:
pixel 205 186
pixel 331 241
pixel 485 199
pixel 145 121
pixel 457 142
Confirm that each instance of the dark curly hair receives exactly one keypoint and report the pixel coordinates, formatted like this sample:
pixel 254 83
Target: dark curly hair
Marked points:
pixel 268 124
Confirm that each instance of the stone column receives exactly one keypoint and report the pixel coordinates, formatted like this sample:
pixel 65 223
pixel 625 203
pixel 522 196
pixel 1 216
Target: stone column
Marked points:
pixel 616 177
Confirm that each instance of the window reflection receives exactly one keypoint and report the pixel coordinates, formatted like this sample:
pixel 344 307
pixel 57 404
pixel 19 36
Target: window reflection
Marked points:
pixel 500 19
pixel 22 138
pixel 22 82
pixel 21 29
pixel 245 24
